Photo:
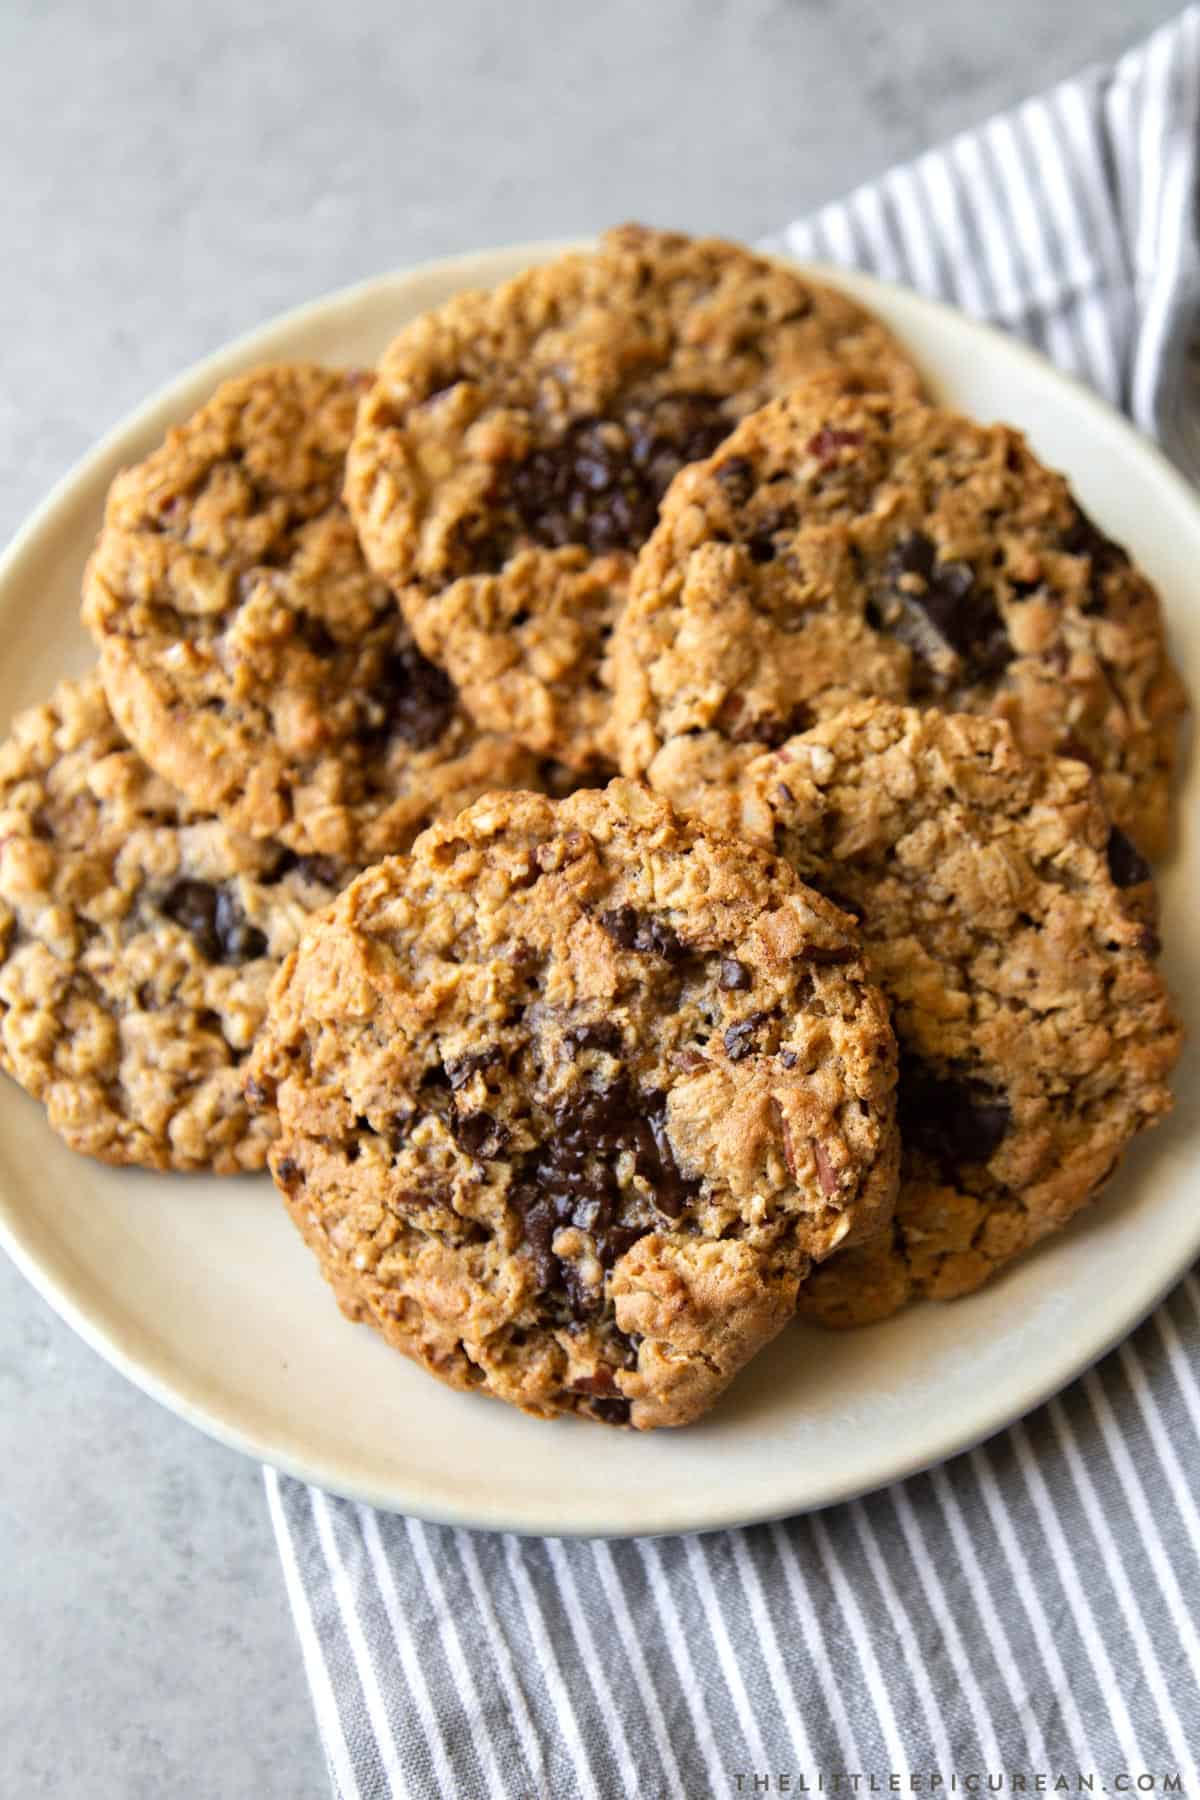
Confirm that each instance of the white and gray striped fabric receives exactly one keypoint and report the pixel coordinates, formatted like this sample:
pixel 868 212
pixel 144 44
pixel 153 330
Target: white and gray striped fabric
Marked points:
pixel 1029 1610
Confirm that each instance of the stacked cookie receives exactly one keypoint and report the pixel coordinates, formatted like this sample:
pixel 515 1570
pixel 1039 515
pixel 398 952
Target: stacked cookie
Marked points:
pixel 261 725
pixel 641 820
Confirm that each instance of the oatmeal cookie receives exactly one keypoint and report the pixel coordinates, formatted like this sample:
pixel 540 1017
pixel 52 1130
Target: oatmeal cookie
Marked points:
pixel 1035 1033
pixel 844 544
pixel 138 941
pixel 247 651
pixel 512 455
pixel 571 1098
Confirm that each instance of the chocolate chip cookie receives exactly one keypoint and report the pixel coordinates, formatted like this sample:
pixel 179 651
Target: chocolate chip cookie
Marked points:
pixel 510 460
pixel 247 651
pixel 138 941
pixel 843 544
pixel 1035 1033
pixel 571 1098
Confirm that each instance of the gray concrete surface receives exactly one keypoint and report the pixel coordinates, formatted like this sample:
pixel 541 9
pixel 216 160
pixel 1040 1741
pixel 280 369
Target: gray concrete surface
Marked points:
pixel 171 174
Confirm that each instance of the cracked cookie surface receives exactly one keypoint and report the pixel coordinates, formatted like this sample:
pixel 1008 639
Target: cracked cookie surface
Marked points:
pixel 1007 923
pixel 510 459
pixel 138 942
pixel 247 651
pixel 843 544
pixel 571 1098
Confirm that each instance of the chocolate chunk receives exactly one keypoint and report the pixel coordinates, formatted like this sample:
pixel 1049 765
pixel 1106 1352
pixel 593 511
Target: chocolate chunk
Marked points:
pixel 827 954
pixel 215 921
pixel 951 624
pixel 572 493
pixel 1126 864
pixel 415 701
pixel 735 977
pixel 739 1039
pixel 657 938
pixel 288 1173
pixel 612 1412
pixel 954 1119
pixel 600 482
pixel 193 904
pixel 459 1073
pixel 598 1121
pixel 616 1241
pixel 479 1134
pixel 632 930
pixel 912 554
pixel 621 924
pixel 571 1180
pixel 539 1225
pixel 656 1161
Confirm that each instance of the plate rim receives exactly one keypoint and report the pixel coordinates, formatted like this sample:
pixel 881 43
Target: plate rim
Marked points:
pixel 175 1387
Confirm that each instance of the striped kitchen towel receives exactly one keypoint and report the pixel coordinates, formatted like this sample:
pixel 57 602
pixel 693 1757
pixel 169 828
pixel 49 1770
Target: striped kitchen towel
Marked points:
pixel 1025 1617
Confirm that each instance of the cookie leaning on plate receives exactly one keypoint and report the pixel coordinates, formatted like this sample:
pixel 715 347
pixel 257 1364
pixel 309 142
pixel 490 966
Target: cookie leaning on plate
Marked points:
pixel 138 941
pixel 1035 1033
pixel 510 459
pixel 571 1097
pixel 247 651
pixel 844 543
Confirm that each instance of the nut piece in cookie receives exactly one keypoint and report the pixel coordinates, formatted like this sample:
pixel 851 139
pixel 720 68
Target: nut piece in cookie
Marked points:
pixel 1008 924
pixel 246 649
pixel 510 460
pixel 843 544
pixel 138 941
pixel 572 1097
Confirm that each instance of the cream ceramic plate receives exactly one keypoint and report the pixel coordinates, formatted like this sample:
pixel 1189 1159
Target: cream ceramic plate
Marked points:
pixel 201 1292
